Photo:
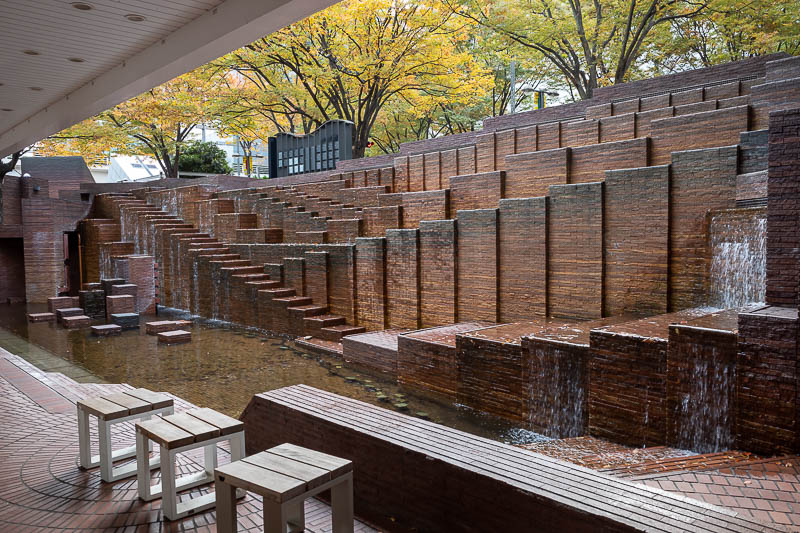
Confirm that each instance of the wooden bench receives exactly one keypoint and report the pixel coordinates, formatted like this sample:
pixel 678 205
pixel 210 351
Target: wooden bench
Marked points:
pixel 285 476
pixel 136 404
pixel 178 433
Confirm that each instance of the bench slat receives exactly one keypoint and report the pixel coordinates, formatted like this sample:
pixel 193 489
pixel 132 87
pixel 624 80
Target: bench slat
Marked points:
pixel 313 476
pixel 164 433
pixel 102 408
pixel 156 399
pixel 133 404
pixel 335 465
pixel 266 483
pixel 201 430
pixel 226 424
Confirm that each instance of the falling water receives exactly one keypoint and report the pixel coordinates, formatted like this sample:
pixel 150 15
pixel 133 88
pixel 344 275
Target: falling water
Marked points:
pixel 738 257
pixel 174 279
pixel 136 247
pixel 215 295
pixel 105 263
pixel 122 225
pixel 559 390
pixel 195 303
pixel 704 412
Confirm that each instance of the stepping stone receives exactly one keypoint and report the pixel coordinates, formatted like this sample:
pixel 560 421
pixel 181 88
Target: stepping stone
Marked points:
pixel 108 283
pixel 93 302
pixel 106 329
pixel 60 302
pixel 41 317
pixel 61 314
pixel 154 328
pixel 75 322
pixel 126 320
pixel 174 337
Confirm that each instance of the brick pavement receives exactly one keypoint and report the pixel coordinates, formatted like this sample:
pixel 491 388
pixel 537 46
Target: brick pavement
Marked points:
pixel 765 489
pixel 42 488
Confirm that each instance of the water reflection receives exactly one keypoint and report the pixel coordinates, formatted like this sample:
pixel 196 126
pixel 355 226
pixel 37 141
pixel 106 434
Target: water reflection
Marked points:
pixel 224 366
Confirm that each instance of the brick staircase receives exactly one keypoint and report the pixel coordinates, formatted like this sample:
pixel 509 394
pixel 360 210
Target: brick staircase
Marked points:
pixel 291 312
pixel 579 181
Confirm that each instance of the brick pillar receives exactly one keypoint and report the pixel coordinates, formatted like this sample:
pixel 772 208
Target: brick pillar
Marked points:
pixel 783 209
pixel 140 271
pixel 371 282
pixel 767 381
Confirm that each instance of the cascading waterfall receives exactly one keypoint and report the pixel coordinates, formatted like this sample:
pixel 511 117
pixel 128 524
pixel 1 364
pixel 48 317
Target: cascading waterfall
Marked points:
pixel 195 303
pixel 705 411
pixel 105 263
pixel 136 248
pixel 123 227
pixel 562 405
pixel 215 296
pixel 738 257
pixel 173 268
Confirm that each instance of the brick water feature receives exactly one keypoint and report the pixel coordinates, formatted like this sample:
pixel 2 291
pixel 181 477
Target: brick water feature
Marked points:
pixel 536 222
pixel 621 269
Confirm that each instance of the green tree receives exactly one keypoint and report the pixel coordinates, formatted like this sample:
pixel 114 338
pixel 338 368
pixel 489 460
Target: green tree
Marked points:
pixel 730 30
pixel 354 58
pixel 591 44
pixel 204 157
pixel 158 122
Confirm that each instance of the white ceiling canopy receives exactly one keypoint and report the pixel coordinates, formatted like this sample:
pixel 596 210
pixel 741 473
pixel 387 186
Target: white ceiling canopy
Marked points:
pixel 62 61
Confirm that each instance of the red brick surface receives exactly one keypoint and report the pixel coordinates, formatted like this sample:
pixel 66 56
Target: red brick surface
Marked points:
pixel 522 259
pixel 437 271
pixel 402 278
pixel 575 240
pixel 636 253
pixel 476 285
pixel 783 209
pixel 371 282
pixel 531 174
pixel 476 191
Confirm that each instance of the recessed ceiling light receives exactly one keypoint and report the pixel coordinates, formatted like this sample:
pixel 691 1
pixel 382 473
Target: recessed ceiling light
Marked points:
pixel 133 17
pixel 76 59
pixel 35 88
pixel 82 6
pixel 30 52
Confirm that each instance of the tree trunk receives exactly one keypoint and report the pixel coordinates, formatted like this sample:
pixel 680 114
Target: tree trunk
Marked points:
pixel 5 168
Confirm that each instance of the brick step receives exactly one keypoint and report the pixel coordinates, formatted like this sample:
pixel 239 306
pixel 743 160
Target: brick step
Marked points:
pixel 229 263
pixel 293 301
pixel 298 315
pixel 335 333
pixel 279 292
pixel 264 284
pixel 307 310
pixel 252 277
pixel 313 325
pixel 245 269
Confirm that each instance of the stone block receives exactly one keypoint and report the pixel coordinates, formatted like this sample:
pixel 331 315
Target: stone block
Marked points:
pixel 174 337
pixel 126 320
pixel 106 330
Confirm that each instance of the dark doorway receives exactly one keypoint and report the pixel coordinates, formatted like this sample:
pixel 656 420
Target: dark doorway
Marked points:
pixel 12 271
pixel 72 263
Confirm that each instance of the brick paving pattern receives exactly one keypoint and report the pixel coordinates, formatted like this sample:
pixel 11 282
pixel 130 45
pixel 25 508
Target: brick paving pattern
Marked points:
pixel 42 488
pixel 765 489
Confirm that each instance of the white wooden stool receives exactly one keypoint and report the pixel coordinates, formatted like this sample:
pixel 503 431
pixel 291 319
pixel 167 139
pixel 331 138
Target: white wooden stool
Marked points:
pixel 178 433
pixel 285 476
pixel 136 404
